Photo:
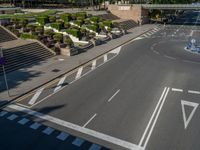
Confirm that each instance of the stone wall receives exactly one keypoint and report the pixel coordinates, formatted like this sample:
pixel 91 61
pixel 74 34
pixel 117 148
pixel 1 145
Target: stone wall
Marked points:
pixel 133 12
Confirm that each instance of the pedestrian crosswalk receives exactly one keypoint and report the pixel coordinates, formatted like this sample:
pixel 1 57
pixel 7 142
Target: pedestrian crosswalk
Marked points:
pixel 151 32
pixel 49 131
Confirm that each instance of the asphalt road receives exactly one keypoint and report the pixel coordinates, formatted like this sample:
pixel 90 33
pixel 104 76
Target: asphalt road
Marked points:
pixel 145 98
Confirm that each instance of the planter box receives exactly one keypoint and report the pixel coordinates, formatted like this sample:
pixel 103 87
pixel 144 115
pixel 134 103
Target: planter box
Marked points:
pixel 68 51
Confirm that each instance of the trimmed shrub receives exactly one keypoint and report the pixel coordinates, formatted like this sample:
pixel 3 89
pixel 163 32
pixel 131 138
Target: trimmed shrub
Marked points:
pixel 52 19
pixel 31 27
pixel 58 37
pixel 49 32
pixel 82 15
pixel 74 32
pixel 42 20
pixel 66 17
pixel 108 23
pixel 73 16
pixel 78 22
pixel 68 41
pixel 39 29
pixel 28 36
pixel 93 27
pixel 23 22
pixel 57 26
pixel 67 25
pixel 101 26
pixel 94 19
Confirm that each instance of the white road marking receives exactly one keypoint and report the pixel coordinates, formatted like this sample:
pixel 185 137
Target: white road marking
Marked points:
pixel 35 97
pixel 94 63
pixel 177 90
pixel 116 50
pixel 62 136
pixel 59 85
pixel 79 72
pixel 12 117
pixel 192 104
pixel 3 113
pixel 48 131
pixel 170 57
pixel 78 142
pixel 35 125
pixel 105 58
pixel 156 118
pixel 191 33
pixel 193 92
pixel 95 147
pixel 156 52
pixel 114 95
pixel 23 121
pixel 78 128
pixel 89 120
pixel 138 38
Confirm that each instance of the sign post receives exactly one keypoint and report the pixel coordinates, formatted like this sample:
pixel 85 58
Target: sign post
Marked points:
pixel 2 62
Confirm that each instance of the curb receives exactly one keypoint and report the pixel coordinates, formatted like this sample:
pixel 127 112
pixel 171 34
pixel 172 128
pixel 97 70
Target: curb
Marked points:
pixel 14 99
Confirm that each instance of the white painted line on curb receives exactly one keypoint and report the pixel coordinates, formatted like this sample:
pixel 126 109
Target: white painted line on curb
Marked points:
pixel 48 131
pixel 35 97
pixel 23 121
pixel 35 125
pixel 193 92
pixel 114 95
pixel 177 90
pixel 156 118
pixel 79 72
pixel 94 63
pixel 101 136
pixel 152 116
pixel 3 113
pixel 62 136
pixel 89 120
pixel 12 117
pixel 59 85
pixel 105 58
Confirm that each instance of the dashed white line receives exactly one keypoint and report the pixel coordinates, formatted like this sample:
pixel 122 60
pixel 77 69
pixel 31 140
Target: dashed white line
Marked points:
pixel 193 92
pixel 3 113
pixel 89 120
pixel 48 130
pixel 23 121
pixel 95 147
pixel 114 95
pixel 62 136
pixel 35 125
pixel 177 90
pixel 12 117
pixel 94 64
pixel 35 97
pixel 78 142
pixel 59 85
pixel 78 75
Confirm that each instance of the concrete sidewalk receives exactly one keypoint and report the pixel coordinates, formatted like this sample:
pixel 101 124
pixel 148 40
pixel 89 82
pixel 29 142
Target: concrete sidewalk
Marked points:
pixel 27 79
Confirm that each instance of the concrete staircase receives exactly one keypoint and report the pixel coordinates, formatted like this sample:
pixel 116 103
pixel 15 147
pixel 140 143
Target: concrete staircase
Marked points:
pixel 5 35
pixel 24 56
pixel 127 24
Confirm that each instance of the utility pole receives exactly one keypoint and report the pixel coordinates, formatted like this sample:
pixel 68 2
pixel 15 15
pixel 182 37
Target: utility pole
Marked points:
pixel 2 62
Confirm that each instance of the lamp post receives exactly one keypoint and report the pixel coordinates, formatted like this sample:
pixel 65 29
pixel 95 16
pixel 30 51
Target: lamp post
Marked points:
pixel 2 62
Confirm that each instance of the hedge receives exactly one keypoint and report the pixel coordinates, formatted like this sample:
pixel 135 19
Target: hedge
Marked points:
pixel 93 27
pixel 78 22
pixel 81 15
pixel 52 19
pixel 57 26
pixel 42 20
pixel 66 17
pixel 74 32
pixel 58 37
pixel 94 19
pixel 108 23
pixel 28 36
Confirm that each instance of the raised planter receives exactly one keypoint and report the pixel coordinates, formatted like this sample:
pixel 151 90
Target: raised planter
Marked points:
pixel 67 51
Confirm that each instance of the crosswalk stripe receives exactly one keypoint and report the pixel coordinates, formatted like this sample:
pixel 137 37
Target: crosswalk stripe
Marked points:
pixel 78 142
pixel 3 113
pixel 62 136
pixel 105 57
pixel 35 125
pixel 78 75
pixel 94 63
pixel 23 121
pixel 35 97
pixel 59 85
pixel 95 147
pixel 12 117
pixel 48 130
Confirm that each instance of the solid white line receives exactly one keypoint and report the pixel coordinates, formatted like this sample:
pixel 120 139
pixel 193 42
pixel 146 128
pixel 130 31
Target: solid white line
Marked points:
pixel 156 118
pixel 59 85
pixel 114 95
pixel 193 92
pixel 78 128
pixel 89 120
pixel 152 116
pixel 177 90
pixel 78 75
pixel 94 63
pixel 105 57
pixel 35 97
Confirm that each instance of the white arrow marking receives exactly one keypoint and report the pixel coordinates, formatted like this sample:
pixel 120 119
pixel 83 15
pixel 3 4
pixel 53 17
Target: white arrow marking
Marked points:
pixel 192 104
